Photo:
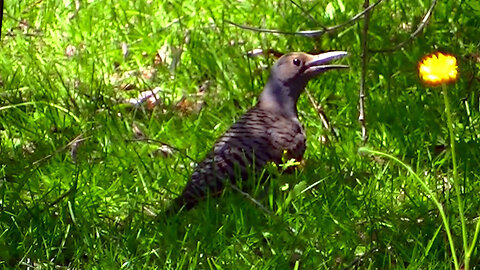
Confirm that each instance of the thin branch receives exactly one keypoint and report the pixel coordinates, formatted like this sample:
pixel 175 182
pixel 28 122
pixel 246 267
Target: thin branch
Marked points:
pixel 249 197
pixel 32 6
pixel 10 33
pixel 361 258
pixel 308 33
pixel 76 140
pixel 307 13
pixel 321 114
pixel 423 23
pixel 361 116
pixel 68 192
pixel 163 144
pixel 1 18
pixel 263 208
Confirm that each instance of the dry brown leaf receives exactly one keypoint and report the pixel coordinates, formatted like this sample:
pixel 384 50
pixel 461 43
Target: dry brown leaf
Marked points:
pixel 157 60
pixel 162 54
pixel 148 73
pixel 74 148
pixel 24 25
pixel 149 97
pixel 187 105
pixel 137 132
pixel 176 58
pixel 125 50
pixel 127 86
pixel 269 52
pixel 29 148
pixel 164 151
pixel 254 53
pixel 203 88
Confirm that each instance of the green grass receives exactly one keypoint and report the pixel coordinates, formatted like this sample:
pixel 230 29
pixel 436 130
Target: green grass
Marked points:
pixel 102 206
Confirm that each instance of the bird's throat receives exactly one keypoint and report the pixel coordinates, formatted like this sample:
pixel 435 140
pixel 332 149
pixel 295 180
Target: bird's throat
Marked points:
pixel 280 98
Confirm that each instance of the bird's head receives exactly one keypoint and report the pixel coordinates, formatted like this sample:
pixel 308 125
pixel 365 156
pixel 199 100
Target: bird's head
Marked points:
pixel 298 67
pixel 291 73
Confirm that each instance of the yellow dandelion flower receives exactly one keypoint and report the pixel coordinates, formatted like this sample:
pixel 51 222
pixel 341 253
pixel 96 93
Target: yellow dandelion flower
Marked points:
pixel 438 68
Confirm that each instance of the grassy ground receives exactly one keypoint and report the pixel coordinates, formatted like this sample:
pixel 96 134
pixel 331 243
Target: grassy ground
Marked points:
pixel 78 189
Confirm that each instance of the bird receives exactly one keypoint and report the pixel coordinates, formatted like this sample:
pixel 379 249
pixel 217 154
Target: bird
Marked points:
pixel 268 132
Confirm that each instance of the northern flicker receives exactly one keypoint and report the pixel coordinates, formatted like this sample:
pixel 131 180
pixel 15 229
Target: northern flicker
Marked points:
pixel 264 133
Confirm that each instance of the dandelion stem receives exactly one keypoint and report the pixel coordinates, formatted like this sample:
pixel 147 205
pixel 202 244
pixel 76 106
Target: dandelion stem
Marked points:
pixel 430 196
pixel 455 173
pixel 472 245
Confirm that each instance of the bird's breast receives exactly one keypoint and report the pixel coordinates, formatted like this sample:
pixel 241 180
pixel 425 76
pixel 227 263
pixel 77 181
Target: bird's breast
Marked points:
pixel 259 137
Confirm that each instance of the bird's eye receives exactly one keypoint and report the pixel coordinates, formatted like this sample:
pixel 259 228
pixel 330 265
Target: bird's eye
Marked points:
pixel 297 62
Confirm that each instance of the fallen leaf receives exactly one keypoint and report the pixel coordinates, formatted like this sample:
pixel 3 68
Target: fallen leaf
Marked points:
pixel 148 73
pixel 157 60
pixel 150 97
pixel 70 51
pixel 161 55
pixel 187 105
pixel 125 51
pixel 254 53
pixel 203 87
pixel 24 25
pixel 74 148
pixel 164 151
pixel 127 86
pixel 137 132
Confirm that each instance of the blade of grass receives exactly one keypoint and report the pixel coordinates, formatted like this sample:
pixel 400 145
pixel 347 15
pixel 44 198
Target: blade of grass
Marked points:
pixel 455 173
pixel 427 190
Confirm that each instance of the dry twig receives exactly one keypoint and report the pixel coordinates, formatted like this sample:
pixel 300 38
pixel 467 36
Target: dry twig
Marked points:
pixel 73 142
pixel 307 13
pixel 423 23
pixel 309 33
pixel 263 208
pixel 1 17
pixel 361 116
pixel 321 114
pixel 163 144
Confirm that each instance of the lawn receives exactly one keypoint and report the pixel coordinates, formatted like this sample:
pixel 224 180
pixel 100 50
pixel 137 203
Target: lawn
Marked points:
pixel 87 167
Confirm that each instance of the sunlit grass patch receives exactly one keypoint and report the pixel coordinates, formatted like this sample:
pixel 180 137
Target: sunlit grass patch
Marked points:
pixel 85 169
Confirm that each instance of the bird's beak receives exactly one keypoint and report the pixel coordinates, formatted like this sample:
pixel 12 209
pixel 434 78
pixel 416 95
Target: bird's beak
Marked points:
pixel 318 63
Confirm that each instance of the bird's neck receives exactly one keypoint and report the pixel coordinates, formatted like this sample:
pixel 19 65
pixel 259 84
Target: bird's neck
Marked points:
pixel 279 98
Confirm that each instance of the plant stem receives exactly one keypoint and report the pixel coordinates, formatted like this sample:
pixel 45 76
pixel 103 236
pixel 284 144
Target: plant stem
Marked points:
pixel 455 173
pixel 472 245
pixel 430 195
